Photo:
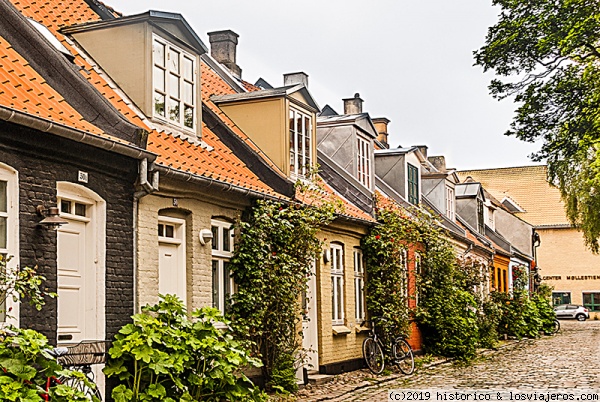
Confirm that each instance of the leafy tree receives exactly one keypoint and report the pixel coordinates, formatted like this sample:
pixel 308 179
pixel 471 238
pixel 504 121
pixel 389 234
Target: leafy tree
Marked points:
pixel 548 53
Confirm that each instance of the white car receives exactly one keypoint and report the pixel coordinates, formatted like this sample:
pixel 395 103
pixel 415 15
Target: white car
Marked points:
pixel 572 311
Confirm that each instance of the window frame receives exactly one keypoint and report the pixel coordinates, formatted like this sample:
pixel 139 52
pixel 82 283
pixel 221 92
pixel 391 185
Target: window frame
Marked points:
pixel 450 203
pixel 480 216
pixel 359 286
pixel 337 284
pixel 562 297
pixel 223 287
pixel 182 81
pixel 11 249
pixel 412 173
pixel 306 134
pixel 595 305
pixel 363 161
pixel 417 274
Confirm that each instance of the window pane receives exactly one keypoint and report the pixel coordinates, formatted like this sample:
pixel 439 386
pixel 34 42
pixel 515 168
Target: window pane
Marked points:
pixel 174 86
pixel 174 61
pixel 65 207
pixel 340 302
pixel 159 104
pixel 226 279
pixel 3 197
pixel 215 239
pixel 169 231
pixel 174 109
pixel 80 209
pixel 226 239
pixel 159 79
pixel 333 299
pixel 3 232
pixel 188 69
pixel 188 93
pixel 587 298
pixel 188 116
pixel 161 229
pixel 159 53
pixel 215 283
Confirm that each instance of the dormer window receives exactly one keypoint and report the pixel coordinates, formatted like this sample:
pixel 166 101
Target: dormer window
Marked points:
pixel 174 82
pixel 413 184
pixel 300 143
pixel 450 207
pixel 364 162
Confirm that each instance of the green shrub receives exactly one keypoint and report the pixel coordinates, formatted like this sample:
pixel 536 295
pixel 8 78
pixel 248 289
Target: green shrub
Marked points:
pixel 488 323
pixel 26 365
pixel 164 356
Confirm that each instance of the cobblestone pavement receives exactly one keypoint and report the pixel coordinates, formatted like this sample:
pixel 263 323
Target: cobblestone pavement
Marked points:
pixel 568 360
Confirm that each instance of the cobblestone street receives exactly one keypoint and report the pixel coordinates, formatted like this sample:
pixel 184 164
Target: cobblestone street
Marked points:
pixel 569 360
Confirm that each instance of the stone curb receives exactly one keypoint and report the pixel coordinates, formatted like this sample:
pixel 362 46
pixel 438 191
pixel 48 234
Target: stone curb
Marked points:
pixel 396 376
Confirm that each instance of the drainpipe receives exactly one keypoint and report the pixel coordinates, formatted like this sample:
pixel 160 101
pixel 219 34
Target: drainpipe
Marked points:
pixel 147 189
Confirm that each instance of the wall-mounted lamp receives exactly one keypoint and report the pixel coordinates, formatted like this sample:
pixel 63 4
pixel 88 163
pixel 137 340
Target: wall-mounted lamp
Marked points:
pixel 205 236
pixel 326 256
pixel 51 220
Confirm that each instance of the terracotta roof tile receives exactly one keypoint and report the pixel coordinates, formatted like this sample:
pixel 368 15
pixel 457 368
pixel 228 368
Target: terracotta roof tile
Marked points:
pixel 250 87
pixel 328 194
pixel 528 187
pixel 23 89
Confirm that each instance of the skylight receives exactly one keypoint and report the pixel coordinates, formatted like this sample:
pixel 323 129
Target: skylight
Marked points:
pixel 512 205
pixel 51 38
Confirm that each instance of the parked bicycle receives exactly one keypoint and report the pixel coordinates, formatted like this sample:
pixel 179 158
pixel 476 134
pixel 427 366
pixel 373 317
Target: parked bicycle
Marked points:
pixel 81 357
pixel 556 326
pixel 397 352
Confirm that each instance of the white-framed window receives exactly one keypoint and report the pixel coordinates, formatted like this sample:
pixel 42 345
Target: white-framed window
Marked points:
pixel 404 269
pixel 222 251
pixel 174 81
pixel 413 184
pixel 300 143
pixel 364 161
pixel 418 273
pixel 450 208
pixel 9 235
pixel 359 285
pixel 337 284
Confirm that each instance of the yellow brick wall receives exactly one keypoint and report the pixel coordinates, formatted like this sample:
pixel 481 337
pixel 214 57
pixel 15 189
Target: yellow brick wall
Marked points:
pixel 338 348
pixel 198 215
pixel 562 253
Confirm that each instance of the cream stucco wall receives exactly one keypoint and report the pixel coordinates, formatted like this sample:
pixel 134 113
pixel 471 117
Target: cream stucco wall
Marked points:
pixel 197 214
pixel 338 348
pixel 564 262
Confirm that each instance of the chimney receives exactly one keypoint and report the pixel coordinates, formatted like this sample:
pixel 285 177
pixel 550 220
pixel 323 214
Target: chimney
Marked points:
pixel 439 162
pixel 295 78
pixel 353 105
pixel 423 149
pixel 381 125
pixel 222 49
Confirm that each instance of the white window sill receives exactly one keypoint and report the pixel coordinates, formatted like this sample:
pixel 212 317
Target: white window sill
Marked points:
pixel 340 330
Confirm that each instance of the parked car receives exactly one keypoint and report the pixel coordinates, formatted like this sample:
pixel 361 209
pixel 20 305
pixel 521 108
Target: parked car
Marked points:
pixel 572 311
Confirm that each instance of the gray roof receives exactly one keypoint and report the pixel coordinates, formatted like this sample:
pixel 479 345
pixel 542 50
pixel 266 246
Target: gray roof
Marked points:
pixel 465 190
pixel 268 93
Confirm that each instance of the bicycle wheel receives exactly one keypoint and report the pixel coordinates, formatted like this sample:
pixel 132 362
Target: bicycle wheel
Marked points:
pixel 556 327
pixel 92 394
pixel 403 356
pixel 373 356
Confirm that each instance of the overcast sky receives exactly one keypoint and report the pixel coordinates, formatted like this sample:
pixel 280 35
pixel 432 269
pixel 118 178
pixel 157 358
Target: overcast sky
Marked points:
pixel 411 61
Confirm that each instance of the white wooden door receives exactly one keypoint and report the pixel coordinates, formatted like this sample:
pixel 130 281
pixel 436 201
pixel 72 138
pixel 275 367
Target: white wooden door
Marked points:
pixel 171 278
pixel 171 257
pixel 310 340
pixel 77 315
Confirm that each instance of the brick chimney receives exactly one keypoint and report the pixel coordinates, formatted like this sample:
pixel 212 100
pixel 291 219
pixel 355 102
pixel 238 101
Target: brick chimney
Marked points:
pixel 439 162
pixel 353 105
pixel 381 125
pixel 423 149
pixel 295 78
pixel 223 48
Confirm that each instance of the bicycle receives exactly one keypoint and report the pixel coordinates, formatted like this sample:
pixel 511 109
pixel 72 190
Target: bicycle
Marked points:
pixel 556 327
pixel 398 352
pixel 80 357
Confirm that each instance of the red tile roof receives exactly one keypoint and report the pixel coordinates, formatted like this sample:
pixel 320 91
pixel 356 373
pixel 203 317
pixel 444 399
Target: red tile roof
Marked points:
pixel 250 87
pixel 220 163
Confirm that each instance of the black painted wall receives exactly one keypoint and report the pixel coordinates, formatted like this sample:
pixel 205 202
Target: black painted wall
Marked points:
pixel 44 159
